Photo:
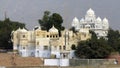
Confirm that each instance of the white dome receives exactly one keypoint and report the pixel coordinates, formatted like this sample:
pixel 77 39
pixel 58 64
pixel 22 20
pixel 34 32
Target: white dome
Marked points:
pixel 105 20
pixel 82 20
pixel 75 22
pixel 53 30
pixel 99 20
pixel 90 12
pixel 23 30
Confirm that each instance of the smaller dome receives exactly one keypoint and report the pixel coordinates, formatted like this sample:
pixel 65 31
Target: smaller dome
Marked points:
pixel 19 29
pixel 105 20
pixel 53 30
pixel 75 22
pixel 82 20
pixel 75 19
pixel 90 12
pixel 99 19
pixel 23 30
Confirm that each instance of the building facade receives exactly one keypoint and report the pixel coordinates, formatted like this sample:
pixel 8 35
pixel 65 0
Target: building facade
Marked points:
pixel 96 24
pixel 46 44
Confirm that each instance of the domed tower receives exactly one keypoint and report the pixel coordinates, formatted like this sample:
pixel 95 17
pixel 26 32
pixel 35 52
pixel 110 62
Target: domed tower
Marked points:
pixel 54 32
pixel 75 23
pixel 98 24
pixel 98 20
pixel 90 16
pixel 105 24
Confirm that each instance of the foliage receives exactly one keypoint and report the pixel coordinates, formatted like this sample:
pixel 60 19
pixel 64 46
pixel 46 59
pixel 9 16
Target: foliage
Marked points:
pixel 93 48
pixel 114 39
pixel 49 20
pixel 6 28
pixel 73 29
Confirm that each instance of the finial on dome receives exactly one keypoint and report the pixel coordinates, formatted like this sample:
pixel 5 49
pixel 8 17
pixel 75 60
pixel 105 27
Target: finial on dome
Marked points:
pixel 75 22
pixel 53 26
pixel 90 12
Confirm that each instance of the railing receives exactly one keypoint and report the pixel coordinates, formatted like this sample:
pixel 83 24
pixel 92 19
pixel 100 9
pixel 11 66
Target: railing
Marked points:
pixel 79 63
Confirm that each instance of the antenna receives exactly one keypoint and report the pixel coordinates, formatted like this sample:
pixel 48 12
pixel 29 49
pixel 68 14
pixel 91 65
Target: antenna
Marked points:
pixel 5 14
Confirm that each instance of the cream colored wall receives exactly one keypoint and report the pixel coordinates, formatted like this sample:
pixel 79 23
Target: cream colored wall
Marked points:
pixel 44 38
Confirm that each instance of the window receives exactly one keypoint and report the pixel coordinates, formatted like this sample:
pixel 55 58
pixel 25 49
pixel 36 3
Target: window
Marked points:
pixel 60 47
pixel 56 36
pixel 47 36
pixel 23 36
pixel 37 42
pixel 84 35
pixel 23 47
pixel 64 47
pixel 91 20
pixel 45 47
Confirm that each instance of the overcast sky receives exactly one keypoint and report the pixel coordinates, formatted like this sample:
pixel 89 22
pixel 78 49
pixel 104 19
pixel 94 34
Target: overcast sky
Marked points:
pixel 29 11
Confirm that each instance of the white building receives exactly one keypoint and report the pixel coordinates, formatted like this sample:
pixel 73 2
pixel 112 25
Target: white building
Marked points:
pixel 96 24
pixel 46 44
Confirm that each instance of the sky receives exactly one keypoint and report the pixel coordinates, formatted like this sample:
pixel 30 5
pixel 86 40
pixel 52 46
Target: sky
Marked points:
pixel 29 11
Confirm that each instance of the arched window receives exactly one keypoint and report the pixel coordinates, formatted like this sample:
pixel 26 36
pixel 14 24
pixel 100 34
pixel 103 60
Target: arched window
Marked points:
pixel 47 36
pixel 23 47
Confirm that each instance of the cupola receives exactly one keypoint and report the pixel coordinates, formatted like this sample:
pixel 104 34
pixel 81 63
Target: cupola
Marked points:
pixel 99 20
pixel 75 22
pixel 105 20
pixel 53 30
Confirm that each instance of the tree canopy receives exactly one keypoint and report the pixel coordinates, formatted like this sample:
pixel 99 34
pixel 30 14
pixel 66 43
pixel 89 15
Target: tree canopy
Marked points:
pixel 49 20
pixel 6 27
pixel 93 48
pixel 114 39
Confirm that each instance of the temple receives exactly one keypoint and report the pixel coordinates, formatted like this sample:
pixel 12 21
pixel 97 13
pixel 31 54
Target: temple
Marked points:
pixel 47 44
pixel 96 24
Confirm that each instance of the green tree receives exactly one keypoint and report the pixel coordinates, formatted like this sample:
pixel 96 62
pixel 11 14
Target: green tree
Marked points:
pixel 114 39
pixel 93 48
pixel 6 28
pixel 73 29
pixel 49 20
pixel 44 22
